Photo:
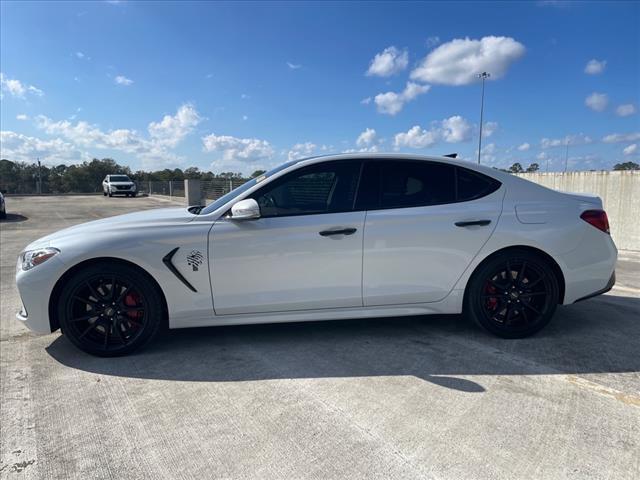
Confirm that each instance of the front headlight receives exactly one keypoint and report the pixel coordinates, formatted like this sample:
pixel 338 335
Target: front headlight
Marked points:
pixel 33 258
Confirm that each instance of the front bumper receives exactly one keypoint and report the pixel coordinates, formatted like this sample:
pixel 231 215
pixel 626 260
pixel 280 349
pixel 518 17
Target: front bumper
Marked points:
pixel 35 287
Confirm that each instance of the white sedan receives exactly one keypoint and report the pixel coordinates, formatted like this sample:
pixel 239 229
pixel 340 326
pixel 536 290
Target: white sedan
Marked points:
pixel 326 238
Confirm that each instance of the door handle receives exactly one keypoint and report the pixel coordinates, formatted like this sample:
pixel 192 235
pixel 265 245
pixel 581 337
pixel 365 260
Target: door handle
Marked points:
pixel 471 223
pixel 342 231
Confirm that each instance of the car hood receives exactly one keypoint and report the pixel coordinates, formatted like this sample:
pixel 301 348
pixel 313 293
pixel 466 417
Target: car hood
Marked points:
pixel 155 218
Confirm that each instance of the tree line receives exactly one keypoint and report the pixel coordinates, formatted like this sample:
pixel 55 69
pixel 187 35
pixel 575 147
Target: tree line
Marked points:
pixel 21 177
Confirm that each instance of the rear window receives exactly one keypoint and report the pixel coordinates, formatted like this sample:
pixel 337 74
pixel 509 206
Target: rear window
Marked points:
pixel 119 178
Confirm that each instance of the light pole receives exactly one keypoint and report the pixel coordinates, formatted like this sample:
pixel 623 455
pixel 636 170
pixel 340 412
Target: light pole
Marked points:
pixel 483 76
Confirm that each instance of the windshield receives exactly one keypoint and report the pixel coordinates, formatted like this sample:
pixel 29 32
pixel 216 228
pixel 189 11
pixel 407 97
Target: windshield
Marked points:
pixel 119 178
pixel 243 188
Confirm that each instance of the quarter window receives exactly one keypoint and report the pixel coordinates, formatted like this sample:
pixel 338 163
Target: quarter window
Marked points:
pixel 325 188
pixel 472 185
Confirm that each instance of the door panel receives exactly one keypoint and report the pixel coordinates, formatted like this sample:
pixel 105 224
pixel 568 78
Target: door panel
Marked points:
pixel 284 263
pixel 416 255
pixel 413 250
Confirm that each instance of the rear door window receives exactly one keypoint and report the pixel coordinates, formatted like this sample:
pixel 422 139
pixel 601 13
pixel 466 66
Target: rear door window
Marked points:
pixel 412 183
pixel 404 184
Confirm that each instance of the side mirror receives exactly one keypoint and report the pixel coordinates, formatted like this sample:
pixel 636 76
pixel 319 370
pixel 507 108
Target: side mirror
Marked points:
pixel 246 209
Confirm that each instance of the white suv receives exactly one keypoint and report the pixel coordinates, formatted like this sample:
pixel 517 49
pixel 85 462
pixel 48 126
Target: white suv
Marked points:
pixel 118 184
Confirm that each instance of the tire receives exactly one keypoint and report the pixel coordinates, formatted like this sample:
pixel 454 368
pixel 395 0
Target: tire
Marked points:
pixel 515 307
pixel 3 214
pixel 106 322
pixel 110 193
pixel 104 193
pixel 133 194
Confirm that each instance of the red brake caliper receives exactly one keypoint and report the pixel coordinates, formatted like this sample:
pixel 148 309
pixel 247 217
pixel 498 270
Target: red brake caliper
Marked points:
pixel 131 300
pixel 492 303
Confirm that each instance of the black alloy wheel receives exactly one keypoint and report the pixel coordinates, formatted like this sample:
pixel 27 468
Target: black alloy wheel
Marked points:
pixel 110 310
pixel 514 295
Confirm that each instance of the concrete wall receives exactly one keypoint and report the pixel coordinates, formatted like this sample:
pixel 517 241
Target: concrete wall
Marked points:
pixel 620 193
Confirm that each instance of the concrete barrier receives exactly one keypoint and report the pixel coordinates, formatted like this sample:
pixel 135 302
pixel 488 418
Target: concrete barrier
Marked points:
pixel 620 193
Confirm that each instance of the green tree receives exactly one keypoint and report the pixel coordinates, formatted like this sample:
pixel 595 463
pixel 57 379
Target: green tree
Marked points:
pixel 626 166
pixel 534 167
pixel 257 173
pixel 516 168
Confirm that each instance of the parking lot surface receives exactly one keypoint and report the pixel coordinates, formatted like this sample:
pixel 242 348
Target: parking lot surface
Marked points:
pixel 395 398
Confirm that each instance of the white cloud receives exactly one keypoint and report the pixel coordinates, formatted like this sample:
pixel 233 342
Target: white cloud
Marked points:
pixel 388 62
pixel 153 151
pixel 293 66
pixel 597 101
pixel 245 117
pixel 122 80
pixel 524 147
pixel 391 103
pixel 626 110
pixel 432 41
pixel 82 56
pixel 631 149
pixel 594 67
pixel 237 152
pixel 455 129
pixel 301 150
pixel 366 138
pixel 621 137
pixel 22 148
pixel 172 129
pixel 365 101
pixel 16 88
pixel 488 153
pixel 416 137
pixel 459 61
pixel 579 139
pixel 244 96
pixel 489 129
pixel 22 116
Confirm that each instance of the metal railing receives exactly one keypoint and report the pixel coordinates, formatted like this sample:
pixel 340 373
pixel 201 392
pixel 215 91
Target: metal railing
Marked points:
pixel 214 189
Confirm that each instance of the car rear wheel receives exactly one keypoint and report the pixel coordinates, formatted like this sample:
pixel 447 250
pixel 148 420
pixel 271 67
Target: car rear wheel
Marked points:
pixel 513 295
pixel 110 310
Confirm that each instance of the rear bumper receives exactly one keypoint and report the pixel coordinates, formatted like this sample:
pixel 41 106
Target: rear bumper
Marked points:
pixel 609 286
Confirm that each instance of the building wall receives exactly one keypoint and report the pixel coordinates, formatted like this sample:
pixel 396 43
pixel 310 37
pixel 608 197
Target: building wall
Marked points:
pixel 620 193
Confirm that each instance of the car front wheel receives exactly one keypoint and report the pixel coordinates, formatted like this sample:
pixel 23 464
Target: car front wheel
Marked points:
pixel 110 310
pixel 513 295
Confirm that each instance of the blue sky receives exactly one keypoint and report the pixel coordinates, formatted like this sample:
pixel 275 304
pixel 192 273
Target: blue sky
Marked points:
pixel 241 86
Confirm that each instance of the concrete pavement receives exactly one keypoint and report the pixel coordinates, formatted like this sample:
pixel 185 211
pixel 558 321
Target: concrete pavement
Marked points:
pixel 393 398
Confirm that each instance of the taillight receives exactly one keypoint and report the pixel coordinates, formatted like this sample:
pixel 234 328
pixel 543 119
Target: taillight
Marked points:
pixel 597 218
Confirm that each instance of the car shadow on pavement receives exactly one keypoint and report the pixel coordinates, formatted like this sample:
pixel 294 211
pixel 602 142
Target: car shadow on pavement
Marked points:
pixel 13 218
pixel 595 336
